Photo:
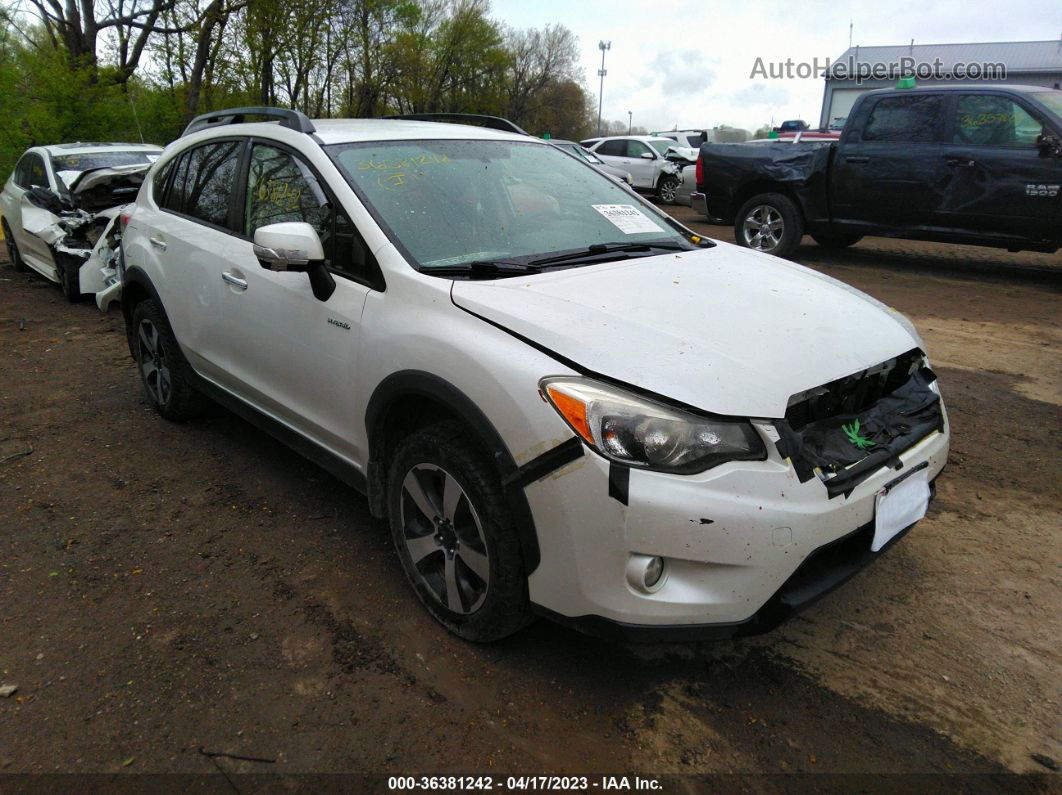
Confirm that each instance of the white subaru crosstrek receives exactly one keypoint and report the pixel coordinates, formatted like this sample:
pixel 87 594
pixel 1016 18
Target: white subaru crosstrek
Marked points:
pixel 564 402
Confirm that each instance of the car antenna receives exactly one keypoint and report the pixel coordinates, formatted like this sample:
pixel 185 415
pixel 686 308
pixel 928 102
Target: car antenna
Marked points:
pixel 136 118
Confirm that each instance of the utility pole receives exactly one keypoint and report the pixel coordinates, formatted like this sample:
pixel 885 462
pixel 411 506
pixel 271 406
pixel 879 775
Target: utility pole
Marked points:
pixel 630 121
pixel 603 46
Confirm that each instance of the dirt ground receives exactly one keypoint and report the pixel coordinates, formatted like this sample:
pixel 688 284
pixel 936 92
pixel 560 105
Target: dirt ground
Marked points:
pixel 166 588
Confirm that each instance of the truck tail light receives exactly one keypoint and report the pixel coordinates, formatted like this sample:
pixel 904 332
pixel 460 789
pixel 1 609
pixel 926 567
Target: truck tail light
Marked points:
pixel 699 173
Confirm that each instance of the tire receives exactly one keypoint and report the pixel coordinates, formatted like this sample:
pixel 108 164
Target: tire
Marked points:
pixel 69 277
pixel 13 254
pixel 836 241
pixel 666 188
pixel 164 372
pixel 770 223
pixel 469 570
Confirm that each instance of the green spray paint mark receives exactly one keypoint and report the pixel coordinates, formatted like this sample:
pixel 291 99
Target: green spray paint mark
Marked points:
pixel 855 437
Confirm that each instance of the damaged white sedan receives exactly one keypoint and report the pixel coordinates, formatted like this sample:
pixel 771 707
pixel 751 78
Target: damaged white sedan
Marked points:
pixel 60 208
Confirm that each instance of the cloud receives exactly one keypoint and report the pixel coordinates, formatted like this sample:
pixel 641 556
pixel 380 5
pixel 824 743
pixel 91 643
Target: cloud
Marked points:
pixel 762 94
pixel 678 73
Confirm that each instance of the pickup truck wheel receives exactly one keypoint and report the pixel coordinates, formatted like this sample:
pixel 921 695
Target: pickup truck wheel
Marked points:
pixel 770 223
pixel 166 375
pixel 13 255
pixel 454 534
pixel 69 277
pixel 836 241
pixel 667 188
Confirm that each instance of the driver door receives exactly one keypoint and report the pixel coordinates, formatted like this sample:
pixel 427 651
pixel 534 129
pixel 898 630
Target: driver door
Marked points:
pixel 643 169
pixel 297 354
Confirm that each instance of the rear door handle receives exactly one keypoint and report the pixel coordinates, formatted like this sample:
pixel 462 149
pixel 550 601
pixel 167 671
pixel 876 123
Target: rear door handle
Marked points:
pixel 234 280
pixel 158 243
pixel 857 160
pixel 961 162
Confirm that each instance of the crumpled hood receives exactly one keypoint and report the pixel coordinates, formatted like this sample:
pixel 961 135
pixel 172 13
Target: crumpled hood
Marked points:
pixel 81 181
pixel 725 329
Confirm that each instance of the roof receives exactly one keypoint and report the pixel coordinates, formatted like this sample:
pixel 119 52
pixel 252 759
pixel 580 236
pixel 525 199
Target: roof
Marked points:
pixel 87 148
pixel 966 88
pixel 1018 56
pixel 342 131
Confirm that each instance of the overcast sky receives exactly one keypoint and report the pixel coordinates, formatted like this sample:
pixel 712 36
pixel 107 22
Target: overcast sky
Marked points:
pixel 688 63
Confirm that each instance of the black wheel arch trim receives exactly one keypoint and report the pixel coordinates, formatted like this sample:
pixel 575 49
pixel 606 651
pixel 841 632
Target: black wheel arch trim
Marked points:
pixel 418 383
pixel 137 276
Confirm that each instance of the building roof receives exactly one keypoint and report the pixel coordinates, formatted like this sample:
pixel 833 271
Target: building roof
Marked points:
pixel 1018 56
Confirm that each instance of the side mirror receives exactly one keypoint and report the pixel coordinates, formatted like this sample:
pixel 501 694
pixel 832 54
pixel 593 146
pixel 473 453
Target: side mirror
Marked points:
pixel 1049 145
pixel 647 156
pixel 294 246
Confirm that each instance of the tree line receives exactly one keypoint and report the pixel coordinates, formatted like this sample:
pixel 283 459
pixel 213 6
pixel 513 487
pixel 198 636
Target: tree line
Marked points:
pixel 140 69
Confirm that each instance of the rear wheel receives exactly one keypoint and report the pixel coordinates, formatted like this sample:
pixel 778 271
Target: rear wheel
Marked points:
pixel 454 534
pixel 166 376
pixel 13 254
pixel 836 241
pixel 770 223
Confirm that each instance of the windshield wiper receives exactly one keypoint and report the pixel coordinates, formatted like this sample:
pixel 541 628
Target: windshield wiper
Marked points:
pixel 598 249
pixel 483 269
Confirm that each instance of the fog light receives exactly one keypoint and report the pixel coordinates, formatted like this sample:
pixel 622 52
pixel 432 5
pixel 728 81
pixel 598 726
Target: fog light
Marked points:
pixel 645 573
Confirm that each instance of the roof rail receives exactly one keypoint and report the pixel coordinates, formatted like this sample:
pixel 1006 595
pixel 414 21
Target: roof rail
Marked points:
pixel 475 119
pixel 292 119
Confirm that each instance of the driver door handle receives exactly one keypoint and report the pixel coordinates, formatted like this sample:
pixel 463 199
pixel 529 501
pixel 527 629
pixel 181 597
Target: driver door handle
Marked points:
pixel 158 243
pixel 234 280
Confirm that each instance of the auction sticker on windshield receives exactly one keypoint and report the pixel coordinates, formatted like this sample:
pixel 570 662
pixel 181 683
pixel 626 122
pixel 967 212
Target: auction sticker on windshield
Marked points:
pixel 627 218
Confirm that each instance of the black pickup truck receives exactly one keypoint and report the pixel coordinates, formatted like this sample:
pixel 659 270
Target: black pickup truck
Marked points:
pixel 957 164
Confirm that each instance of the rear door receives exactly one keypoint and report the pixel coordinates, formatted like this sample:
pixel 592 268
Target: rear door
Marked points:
pixel 294 355
pixel 186 244
pixel 997 182
pixel 887 171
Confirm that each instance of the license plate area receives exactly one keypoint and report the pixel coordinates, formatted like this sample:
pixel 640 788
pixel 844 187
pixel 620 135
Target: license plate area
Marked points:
pixel 899 504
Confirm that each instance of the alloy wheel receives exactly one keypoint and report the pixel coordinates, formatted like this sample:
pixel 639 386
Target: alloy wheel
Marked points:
pixel 444 537
pixel 154 366
pixel 763 228
pixel 667 190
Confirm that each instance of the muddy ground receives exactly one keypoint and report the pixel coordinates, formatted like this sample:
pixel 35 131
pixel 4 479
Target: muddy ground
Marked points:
pixel 171 587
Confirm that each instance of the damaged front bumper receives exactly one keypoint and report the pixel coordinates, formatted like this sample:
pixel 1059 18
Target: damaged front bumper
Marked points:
pixel 743 545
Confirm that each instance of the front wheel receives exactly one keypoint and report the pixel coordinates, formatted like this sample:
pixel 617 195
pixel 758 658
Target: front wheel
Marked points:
pixel 667 189
pixel 770 223
pixel 454 534
pixel 69 277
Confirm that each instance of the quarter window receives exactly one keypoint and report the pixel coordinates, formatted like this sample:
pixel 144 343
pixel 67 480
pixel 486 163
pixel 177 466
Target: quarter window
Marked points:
pixel 987 120
pixel 910 119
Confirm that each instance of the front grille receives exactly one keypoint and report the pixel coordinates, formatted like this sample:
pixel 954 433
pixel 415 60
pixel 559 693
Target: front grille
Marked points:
pixel 852 394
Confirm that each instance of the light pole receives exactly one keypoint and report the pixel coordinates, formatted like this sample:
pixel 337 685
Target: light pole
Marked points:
pixel 630 121
pixel 604 46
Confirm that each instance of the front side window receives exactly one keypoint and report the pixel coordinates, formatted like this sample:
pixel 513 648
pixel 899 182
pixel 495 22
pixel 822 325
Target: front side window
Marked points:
pixel 30 172
pixel 911 119
pixel 454 202
pixel 661 145
pixel 987 120
pixel 636 148
pixel 282 188
pixel 203 182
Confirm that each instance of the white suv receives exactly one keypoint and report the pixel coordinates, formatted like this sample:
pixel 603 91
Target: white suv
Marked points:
pixel 646 158
pixel 564 402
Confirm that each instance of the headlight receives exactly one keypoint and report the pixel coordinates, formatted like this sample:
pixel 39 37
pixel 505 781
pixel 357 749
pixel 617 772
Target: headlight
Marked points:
pixel 638 432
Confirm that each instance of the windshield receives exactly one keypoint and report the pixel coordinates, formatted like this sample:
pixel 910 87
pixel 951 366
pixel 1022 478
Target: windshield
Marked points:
pixel 661 145
pixel 102 160
pixel 450 202
pixel 1053 101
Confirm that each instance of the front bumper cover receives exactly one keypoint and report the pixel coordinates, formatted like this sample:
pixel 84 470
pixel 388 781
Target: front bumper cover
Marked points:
pixel 825 569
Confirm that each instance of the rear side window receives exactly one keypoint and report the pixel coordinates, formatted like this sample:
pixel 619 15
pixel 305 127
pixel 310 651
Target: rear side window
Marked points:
pixel 987 120
pixel 203 182
pixel 612 149
pixel 910 119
